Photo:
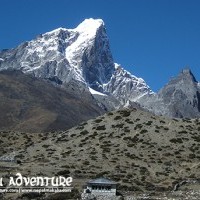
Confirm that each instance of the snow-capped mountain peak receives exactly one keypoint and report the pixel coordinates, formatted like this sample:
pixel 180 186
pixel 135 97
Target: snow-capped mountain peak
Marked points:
pixel 89 26
pixel 82 54
pixel 86 34
pixel 82 57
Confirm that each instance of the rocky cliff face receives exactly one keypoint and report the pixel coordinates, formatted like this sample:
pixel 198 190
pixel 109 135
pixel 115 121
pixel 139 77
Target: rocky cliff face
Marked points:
pixel 179 98
pixel 126 87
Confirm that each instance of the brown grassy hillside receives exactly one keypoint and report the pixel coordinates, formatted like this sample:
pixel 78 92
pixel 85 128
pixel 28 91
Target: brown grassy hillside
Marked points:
pixel 35 105
pixel 140 151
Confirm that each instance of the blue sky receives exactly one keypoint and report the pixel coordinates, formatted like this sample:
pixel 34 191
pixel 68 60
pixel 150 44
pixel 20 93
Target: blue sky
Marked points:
pixel 153 39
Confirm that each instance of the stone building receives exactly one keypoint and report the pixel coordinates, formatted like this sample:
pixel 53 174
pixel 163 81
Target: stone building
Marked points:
pixel 101 187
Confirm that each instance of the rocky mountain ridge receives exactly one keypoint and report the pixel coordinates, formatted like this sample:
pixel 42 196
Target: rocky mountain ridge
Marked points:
pixel 30 104
pixel 83 56
pixel 126 87
pixel 180 98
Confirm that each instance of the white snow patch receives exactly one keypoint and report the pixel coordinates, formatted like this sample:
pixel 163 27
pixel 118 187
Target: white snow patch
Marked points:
pixel 96 92
pixel 127 104
pixel 1 59
pixel 116 65
pixel 89 26
pixel 55 31
pixel 87 31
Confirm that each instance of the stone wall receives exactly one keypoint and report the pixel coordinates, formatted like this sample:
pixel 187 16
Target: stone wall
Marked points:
pixel 85 196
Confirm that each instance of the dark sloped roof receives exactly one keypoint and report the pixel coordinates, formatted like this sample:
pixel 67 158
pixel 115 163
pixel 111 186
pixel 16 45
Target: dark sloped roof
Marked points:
pixel 102 181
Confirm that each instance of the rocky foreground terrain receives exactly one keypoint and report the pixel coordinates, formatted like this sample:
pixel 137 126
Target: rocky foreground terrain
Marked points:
pixel 145 154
